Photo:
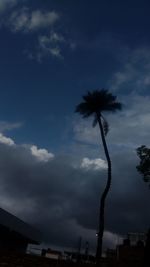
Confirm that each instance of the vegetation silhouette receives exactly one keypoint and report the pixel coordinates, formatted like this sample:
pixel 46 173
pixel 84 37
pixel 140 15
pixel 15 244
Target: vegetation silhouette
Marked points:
pixel 94 104
pixel 144 166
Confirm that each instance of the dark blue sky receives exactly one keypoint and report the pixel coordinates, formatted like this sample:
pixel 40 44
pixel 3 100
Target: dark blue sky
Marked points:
pixel 101 33
pixel 51 53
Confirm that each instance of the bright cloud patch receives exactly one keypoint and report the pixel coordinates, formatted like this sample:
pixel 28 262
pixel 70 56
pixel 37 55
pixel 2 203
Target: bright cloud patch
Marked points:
pixel 6 140
pixel 26 21
pixel 41 154
pixel 94 164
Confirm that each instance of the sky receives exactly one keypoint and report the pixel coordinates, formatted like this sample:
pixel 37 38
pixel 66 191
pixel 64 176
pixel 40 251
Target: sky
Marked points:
pixel 52 164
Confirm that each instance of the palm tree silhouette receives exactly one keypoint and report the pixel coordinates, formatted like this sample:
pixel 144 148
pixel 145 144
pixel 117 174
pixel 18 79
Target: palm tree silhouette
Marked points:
pixel 93 105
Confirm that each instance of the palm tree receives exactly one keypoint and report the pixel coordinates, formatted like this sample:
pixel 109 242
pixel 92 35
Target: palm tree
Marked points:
pixel 93 105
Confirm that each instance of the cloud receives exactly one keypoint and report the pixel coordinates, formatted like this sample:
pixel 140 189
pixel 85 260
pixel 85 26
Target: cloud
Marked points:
pixel 6 4
pixel 67 195
pixel 55 37
pixel 134 74
pixel 41 25
pixel 95 164
pixel 6 140
pixel 26 21
pixel 50 44
pixel 47 187
pixel 111 239
pixel 7 126
pixel 84 132
pixel 41 154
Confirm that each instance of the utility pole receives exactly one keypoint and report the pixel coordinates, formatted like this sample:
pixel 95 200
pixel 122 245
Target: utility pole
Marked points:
pixel 86 250
pixel 79 249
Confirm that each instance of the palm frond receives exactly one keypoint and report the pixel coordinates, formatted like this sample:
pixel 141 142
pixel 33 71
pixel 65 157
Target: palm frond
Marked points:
pixel 114 106
pixel 83 109
pixel 105 125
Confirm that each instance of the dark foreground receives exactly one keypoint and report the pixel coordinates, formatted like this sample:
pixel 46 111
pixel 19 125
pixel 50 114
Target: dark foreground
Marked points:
pixel 21 260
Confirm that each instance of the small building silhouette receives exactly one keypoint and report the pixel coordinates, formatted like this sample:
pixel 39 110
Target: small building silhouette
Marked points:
pixel 15 234
pixel 132 249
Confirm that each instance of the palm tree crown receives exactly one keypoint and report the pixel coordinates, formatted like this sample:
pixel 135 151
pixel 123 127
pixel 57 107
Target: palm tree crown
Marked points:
pixel 96 102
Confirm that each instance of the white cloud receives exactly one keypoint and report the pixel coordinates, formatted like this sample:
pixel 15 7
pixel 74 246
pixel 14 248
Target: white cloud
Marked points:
pixel 5 4
pixel 6 140
pixel 7 126
pixel 41 154
pixel 55 51
pixel 93 164
pixel 25 21
pixel 51 44
pixel 40 19
pixel 55 37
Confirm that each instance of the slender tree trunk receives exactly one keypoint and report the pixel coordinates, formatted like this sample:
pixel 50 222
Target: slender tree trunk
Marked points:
pixel 101 222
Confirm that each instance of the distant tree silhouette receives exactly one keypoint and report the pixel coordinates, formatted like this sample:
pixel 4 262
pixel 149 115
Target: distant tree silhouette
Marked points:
pixel 144 167
pixel 94 104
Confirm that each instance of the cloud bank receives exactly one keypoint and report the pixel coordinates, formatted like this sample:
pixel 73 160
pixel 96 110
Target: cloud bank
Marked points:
pixel 62 199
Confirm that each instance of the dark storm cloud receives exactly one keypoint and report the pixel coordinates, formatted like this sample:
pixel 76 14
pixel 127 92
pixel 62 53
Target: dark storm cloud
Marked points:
pixel 48 194
pixel 62 200
pixel 127 205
